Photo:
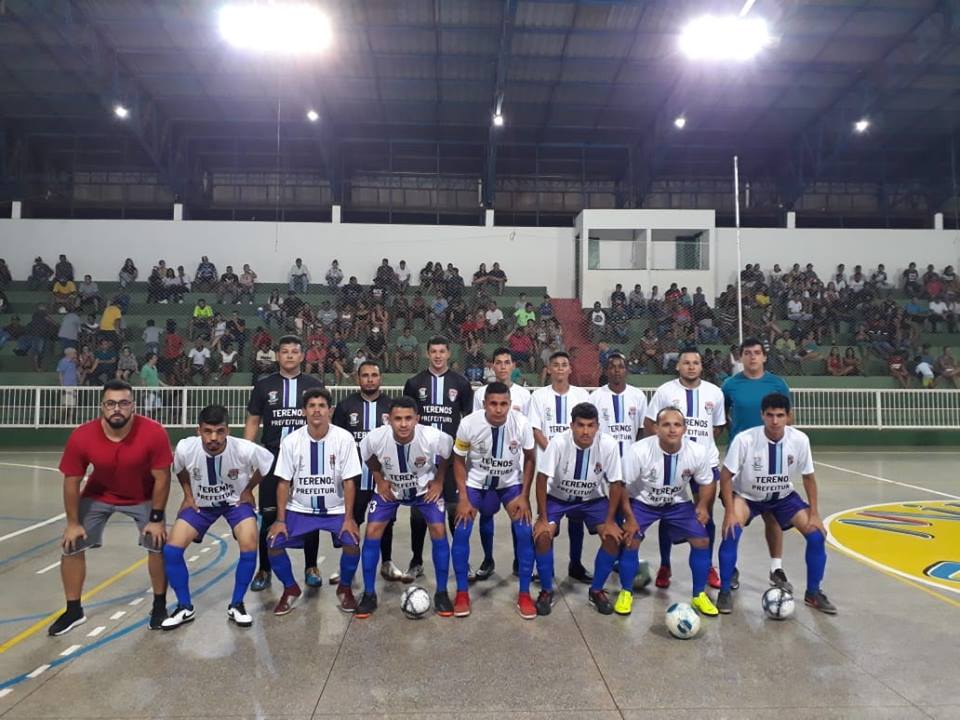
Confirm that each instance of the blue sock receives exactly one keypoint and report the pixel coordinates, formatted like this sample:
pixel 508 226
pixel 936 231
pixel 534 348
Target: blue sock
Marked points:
pixel 602 567
pixel 177 573
pixel 246 567
pixel 461 554
pixel 712 533
pixel 441 561
pixel 575 532
pixel 371 557
pixel 282 569
pixel 523 536
pixel 727 555
pixel 816 556
pixel 486 536
pixel 545 567
pixel 699 566
pixel 629 567
pixel 665 545
pixel 348 567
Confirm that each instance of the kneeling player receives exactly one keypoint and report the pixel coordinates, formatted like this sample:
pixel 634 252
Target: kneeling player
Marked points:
pixel 758 476
pixel 499 448
pixel 408 462
pixel 574 476
pixel 218 474
pixel 317 472
pixel 656 473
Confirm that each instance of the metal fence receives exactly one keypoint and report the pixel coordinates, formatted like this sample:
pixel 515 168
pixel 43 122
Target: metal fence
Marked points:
pixel 52 407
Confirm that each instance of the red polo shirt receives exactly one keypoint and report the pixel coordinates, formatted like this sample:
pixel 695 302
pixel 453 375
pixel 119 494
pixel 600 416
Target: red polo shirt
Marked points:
pixel 121 470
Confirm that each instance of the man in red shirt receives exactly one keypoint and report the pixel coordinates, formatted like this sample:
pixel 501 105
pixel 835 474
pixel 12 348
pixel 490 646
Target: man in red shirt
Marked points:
pixel 131 460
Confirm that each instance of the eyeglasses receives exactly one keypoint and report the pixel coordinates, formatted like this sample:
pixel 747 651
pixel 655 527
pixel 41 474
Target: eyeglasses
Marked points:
pixel 122 404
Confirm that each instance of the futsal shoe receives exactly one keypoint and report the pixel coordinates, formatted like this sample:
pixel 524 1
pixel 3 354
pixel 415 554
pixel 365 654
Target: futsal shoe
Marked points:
pixel 367 605
pixel 704 605
pixel 287 600
pixel 335 577
pixel 461 604
pixel 485 571
pixel 545 602
pixel 599 600
pixel 818 601
pixel 312 577
pixel 413 572
pixel 261 581
pixel 713 578
pixel 778 578
pixel 735 580
pixel 237 613
pixel 182 614
pixel 663 577
pixel 724 602
pixel 624 603
pixel 580 573
pixel 526 606
pixel 157 615
pixel 348 603
pixel 66 622
pixel 441 604
pixel 391 573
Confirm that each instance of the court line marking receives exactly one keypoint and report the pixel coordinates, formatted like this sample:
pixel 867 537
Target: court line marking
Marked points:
pixel 48 568
pixel 70 650
pixel 38 671
pixel 136 601
pixel 5 692
pixel 886 480
pixel 118 614
pixel 43 523
pixel 96 631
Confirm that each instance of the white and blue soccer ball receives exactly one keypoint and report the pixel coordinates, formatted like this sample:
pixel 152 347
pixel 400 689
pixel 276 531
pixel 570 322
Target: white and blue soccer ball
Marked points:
pixel 682 621
pixel 415 602
pixel 778 604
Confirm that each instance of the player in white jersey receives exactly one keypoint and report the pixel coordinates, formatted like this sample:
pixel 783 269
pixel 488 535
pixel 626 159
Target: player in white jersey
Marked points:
pixel 578 476
pixel 503 367
pixel 409 463
pixel 318 472
pixel 493 463
pixel 218 474
pixel 759 474
pixel 621 407
pixel 656 473
pixel 549 416
pixel 701 403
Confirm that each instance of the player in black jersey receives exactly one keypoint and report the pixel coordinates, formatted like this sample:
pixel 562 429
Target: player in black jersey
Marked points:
pixel 444 396
pixel 275 401
pixel 359 413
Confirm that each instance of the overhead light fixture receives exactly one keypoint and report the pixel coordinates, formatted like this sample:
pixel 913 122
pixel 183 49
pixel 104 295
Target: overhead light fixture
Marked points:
pixel 498 119
pixel 287 28
pixel 313 115
pixel 120 111
pixel 861 125
pixel 680 122
pixel 724 38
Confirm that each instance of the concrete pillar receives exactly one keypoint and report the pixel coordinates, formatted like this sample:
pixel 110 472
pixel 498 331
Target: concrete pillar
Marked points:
pixel 938 221
pixel 335 214
pixel 488 218
pixel 791 220
pixel 178 211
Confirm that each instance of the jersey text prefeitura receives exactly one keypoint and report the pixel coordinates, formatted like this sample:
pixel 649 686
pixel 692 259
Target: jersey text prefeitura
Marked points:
pixel 276 399
pixel 576 474
pixel 317 469
pixel 765 470
pixel 443 399
pixel 550 413
pixel 408 468
pixel 218 480
pixel 702 408
pixel 621 414
pixel 655 477
pixel 358 417
pixel 494 455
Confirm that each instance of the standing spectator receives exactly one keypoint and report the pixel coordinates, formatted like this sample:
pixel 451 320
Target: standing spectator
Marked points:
pixel 228 289
pixel 34 340
pixel 407 346
pixel 69 332
pixel 453 286
pixel 237 332
pixel 68 369
pixel 156 288
pixel 40 275
pixel 151 379
pixel 128 273
pixel 334 275
pixel 248 284
pixel 88 293
pixel 426 277
pixel 151 337
pixel 598 322
pixel 126 364
pixel 403 276
pixel 5 277
pixel 11 331
pixel 199 357
pixel 171 362
pixel 205 278
pixel 64 268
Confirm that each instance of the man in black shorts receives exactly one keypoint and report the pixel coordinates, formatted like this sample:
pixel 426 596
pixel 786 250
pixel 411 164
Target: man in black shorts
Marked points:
pixel 444 397
pixel 358 414
pixel 275 401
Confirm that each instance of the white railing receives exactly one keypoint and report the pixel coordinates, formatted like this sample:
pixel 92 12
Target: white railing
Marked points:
pixel 820 408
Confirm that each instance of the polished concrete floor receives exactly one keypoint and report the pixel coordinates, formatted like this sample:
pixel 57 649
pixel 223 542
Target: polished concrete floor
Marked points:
pixel 892 652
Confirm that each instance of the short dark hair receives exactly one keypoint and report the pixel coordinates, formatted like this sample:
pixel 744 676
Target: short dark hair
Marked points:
pixel 497 388
pixel 116 385
pixel 290 340
pixel 617 355
pixel 213 415
pixel 669 408
pixel 364 364
pixel 751 342
pixel 584 411
pixel 404 403
pixel 312 393
pixel 500 351
pixel 690 349
pixel 775 401
pixel 559 354
pixel 438 340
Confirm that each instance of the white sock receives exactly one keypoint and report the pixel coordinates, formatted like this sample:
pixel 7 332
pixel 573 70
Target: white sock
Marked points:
pixel 776 564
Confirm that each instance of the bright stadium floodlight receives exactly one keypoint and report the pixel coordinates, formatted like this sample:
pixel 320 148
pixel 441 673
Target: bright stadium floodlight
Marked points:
pixel 724 38
pixel 498 120
pixel 120 111
pixel 861 125
pixel 680 122
pixel 313 115
pixel 286 28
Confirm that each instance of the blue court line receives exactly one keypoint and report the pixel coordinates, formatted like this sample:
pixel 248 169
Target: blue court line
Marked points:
pixel 127 630
pixel 29 550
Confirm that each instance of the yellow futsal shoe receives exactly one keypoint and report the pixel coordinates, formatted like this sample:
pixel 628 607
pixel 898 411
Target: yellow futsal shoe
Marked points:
pixel 624 603
pixel 704 605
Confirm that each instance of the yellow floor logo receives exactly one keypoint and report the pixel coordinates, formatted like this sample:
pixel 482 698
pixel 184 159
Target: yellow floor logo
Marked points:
pixel 917 540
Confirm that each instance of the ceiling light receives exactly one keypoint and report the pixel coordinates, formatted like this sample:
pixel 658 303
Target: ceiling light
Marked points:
pixel 313 115
pixel 861 125
pixel 498 119
pixel 288 28
pixel 680 123
pixel 724 38
pixel 120 111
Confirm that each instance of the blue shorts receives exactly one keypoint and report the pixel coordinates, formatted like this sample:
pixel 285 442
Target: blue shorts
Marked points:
pixel 487 502
pixel 783 509
pixel 680 519
pixel 591 512
pixel 695 486
pixel 202 518
pixel 381 511
pixel 300 524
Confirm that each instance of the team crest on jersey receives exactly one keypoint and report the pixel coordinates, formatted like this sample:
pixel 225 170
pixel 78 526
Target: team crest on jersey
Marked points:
pixel 333 461
pixel 790 459
pixel 606 415
pixel 420 462
pixel 233 474
pixel 757 463
pixel 687 474
pixel 514 447
pixel 480 447
pixel 422 393
pixel 273 397
pixel 632 411
pixel 597 469
pixel 708 406
pixel 548 414
pixel 452 394
pixel 387 464
pixel 195 475
pixel 354 418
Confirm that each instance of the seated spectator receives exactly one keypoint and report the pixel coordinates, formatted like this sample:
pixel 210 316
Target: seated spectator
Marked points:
pixel 237 332
pixel 897 368
pixel 937 313
pixel 106 362
pixel 199 357
pixel 835 363
pixel 205 278
pixel 618 295
pixel 172 287
pixel 111 321
pixel 272 310
pixel 494 318
pixel 88 294
pixel 403 276
pixel 298 278
pixel 218 330
pixel 438 312
pixel 497 276
pixel 185 282
pixel 261 339
pixel 932 285
pixel 264 362
pixel 426 277
pixel 126 364
pixel 915 310
pixel 11 331
pixel 337 358
pixel 334 275
pixel 229 357
pixel 670 351
pixel 809 273
pixel 473 359
pixel 41 275
pixel 911 281
pixel 293 304
pixel 228 288
pixel 650 348
pixel 86 362
pixel 672 294
pixel 453 286
pixel 796 310
pixel 525 315
pixel 474 325
pixel 375 346
pixel 852 364
pixel 128 273
pixel 545 310
pixel 618 321
pixel 407 349
pixel 345 321
pixel 5 277
pixel 64 269
pixel 636 301
pixel 521 347
pixel 64 294
pixel 950 280
pixel 923 369
pixel 361 320
pixel 201 319
pixel 316 357
pixel 946 367
pixel 170 362
pixel 351 293
pixel 247 284
pixel 379 317
pixel 879 280
pixel 359 358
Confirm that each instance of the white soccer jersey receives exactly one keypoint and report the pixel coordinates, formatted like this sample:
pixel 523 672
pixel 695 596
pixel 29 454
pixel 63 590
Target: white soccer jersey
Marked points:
pixel 218 480
pixel 621 414
pixel 655 477
pixel 702 407
pixel 519 398
pixel 576 474
pixel 765 470
pixel 550 413
pixel 494 455
pixel 408 468
pixel 316 469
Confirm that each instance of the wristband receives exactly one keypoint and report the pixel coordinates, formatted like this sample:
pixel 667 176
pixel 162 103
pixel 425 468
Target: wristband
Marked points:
pixel 156 516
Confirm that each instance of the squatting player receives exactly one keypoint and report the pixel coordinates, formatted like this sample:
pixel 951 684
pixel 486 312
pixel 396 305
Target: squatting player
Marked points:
pixel 218 474
pixel 497 445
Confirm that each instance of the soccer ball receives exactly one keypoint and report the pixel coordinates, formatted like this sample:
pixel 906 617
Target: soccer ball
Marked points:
pixel 777 603
pixel 682 621
pixel 415 602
